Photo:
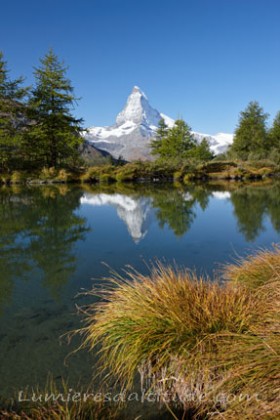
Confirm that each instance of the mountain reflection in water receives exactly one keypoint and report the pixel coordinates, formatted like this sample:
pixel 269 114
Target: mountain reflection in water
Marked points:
pixel 54 239
pixel 133 211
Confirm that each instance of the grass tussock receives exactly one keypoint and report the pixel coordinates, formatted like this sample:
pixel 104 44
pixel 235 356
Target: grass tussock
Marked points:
pixel 212 348
pixel 256 270
pixel 59 403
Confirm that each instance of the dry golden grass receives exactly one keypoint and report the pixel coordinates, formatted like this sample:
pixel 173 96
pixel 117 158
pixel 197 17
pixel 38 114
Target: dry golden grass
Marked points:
pixel 255 270
pixel 168 312
pixel 189 336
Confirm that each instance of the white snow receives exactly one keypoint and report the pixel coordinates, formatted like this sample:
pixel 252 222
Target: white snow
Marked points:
pixel 105 132
pixel 134 212
pixel 218 143
pixel 139 113
pixel 138 110
pixel 168 121
pixel 125 202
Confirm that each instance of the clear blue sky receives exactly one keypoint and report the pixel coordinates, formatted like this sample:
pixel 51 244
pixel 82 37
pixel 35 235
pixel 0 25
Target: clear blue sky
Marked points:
pixel 201 60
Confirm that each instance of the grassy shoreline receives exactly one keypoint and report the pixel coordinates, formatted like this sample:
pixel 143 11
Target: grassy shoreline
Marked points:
pixel 148 172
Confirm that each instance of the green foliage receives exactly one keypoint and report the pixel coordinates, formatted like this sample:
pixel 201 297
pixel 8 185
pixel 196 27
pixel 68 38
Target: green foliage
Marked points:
pixel 161 134
pixel 104 173
pixel 48 173
pixel 53 137
pixel 274 139
pixel 250 139
pixel 202 151
pixel 12 112
pixel 274 133
pixel 17 177
pixel 178 144
pixel 162 130
pixel 175 142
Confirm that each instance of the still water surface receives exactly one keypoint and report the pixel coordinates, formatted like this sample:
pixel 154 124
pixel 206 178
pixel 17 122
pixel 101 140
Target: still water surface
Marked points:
pixel 54 242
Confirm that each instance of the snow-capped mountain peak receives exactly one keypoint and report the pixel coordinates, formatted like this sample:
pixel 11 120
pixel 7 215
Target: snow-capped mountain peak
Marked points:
pixel 130 137
pixel 138 110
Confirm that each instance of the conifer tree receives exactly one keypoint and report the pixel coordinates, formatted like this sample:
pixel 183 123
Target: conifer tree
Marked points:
pixel 202 151
pixel 161 133
pixel 250 139
pixel 274 133
pixel 274 139
pixel 12 120
pixel 176 143
pixel 53 137
pixel 162 129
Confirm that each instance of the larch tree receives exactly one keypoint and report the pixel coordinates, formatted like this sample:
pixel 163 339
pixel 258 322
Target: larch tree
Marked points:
pixel 274 133
pixel 250 137
pixel 12 117
pixel 175 143
pixel 53 138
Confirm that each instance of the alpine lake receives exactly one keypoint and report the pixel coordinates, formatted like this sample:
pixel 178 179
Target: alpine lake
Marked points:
pixel 58 241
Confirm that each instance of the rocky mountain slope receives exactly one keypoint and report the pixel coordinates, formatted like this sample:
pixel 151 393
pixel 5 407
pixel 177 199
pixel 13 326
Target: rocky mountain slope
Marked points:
pixel 130 137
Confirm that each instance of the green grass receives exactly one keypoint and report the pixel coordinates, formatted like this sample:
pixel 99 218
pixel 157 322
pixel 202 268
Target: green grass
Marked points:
pixel 187 335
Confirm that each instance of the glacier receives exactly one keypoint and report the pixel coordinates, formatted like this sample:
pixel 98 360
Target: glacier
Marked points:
pixel 130 137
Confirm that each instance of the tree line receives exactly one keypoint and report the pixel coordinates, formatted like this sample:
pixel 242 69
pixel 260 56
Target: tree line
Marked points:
pixel 178 143
pixel 37 126
pixel 252 140
pixel 38 129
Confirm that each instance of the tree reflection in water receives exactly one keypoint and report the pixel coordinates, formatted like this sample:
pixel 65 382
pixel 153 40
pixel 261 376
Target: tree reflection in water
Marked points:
pixel 39 229
pixel 40 226
pixel 252 204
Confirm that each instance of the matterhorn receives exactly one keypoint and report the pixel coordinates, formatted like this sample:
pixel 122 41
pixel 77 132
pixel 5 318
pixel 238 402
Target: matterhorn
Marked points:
pixel 130 137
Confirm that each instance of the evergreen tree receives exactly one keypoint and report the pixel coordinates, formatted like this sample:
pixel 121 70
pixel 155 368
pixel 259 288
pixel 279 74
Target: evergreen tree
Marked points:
pixel 202 151
pixel 162 129
pixel 53 137
pixel 250 139
pixel 12 110
pixel 274 140
pixel 274 134
pixel 175 142
pixel 161 133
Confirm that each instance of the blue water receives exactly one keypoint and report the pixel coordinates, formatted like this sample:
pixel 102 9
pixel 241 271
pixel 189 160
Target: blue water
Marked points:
pixel 58 241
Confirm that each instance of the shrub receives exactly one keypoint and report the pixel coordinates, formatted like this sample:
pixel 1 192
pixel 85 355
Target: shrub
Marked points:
pixel 63 175
pixel 48 173
pixel 17 178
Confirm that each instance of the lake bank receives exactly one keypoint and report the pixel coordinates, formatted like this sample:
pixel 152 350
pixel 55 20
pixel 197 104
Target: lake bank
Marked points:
pixel 149 172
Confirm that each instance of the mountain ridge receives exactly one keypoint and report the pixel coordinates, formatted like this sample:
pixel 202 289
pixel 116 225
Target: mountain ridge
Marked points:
pixel 130 137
